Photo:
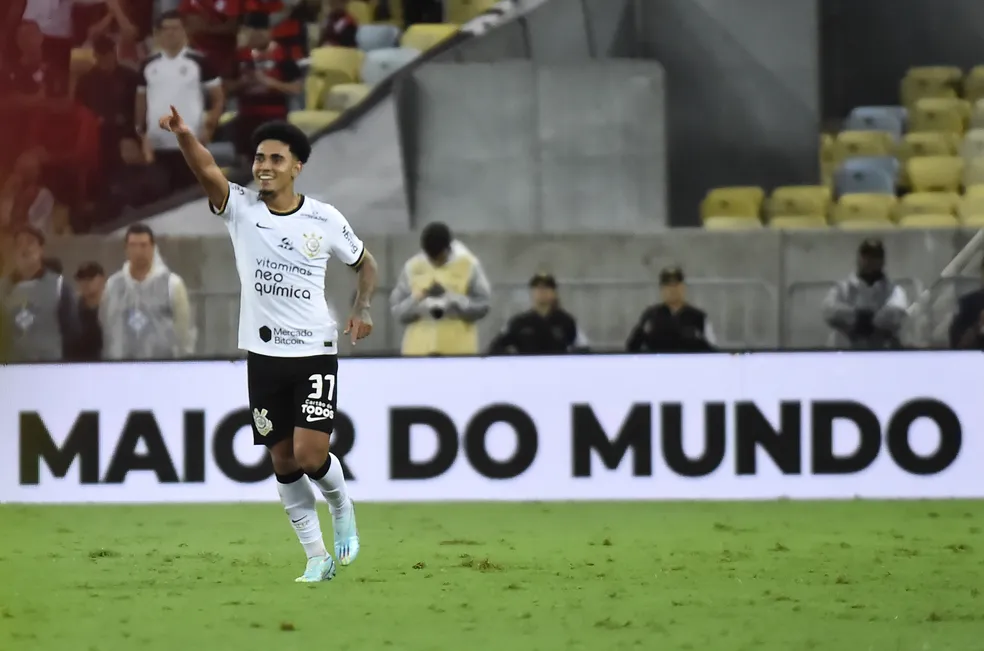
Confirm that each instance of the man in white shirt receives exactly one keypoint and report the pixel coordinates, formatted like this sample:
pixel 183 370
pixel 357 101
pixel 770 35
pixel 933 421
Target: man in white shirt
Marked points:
pixel 282 243
pixel 176 76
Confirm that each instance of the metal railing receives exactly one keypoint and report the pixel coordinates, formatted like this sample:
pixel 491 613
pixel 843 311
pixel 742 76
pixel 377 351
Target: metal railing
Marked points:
pixel 744 313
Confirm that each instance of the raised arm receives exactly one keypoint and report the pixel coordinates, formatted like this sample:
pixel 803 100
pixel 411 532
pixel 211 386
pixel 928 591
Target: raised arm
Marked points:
pixel 201 162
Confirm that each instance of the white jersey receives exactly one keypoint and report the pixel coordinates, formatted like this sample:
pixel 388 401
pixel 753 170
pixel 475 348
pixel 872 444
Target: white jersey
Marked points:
pixel 281 260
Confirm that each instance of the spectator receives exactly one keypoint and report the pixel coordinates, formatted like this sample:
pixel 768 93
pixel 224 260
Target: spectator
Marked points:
pixel 24 201
pixel 340 27
pixel 267 79
pixel 967 327
pixel 109 90
pixel 145 312
pixel 176 76
pixel 544 329
pixel 441 294
pixel 672 325
pixel 38 306
pixel 91 281
pixel 287 20
pixel 867 310
pixel 25 77
pixel 94 18
pixel 213 28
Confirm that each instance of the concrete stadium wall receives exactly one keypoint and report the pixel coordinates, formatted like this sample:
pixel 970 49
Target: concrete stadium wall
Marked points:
pixel 763 289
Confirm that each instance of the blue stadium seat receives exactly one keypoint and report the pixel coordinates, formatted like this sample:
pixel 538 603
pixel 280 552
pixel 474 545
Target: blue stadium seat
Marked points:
pixel 380 64
pixel 865 176
pixel 876 118
pixel 376 37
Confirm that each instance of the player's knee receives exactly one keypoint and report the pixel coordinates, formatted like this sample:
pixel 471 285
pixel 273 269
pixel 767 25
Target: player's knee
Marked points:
pixel 311 452
pixel 282 456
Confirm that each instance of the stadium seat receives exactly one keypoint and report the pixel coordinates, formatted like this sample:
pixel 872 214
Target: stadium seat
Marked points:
pixel 376 37
pixel 928 221
pixel 928 144
pixel 724 223
pixel 859 175
pixel 971 205
pixel 850 144
pixel 424 36
pixel 335 65
pixel 928 203
pixel 875 118
pixel 800 201
pixel 927 116
pixel 793 222
pixel 973 190
pixel 828 162
pixel 314 33
pixel 312 121
pixel 929 81
pixel 460 12
pixel 380 64
pixel 973 172
pixel 973 84
pixel 935 173
pixel 82 61
pixel 865 225
pixel 361 11
pixel 864 207
pixel 739 201
pixel 973 144
pixel 977 115
pixel 974 221
pixel 342 97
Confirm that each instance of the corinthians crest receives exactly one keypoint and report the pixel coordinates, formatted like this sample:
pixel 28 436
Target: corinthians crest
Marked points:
pixel 312 245
pixel 263 424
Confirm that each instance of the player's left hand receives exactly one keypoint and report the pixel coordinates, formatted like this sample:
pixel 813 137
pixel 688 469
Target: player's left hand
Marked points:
pixel 360 325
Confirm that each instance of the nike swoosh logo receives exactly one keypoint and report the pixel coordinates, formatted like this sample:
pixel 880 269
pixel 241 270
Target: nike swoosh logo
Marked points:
pixel 315 419
pixel 297 520
pixel 266 228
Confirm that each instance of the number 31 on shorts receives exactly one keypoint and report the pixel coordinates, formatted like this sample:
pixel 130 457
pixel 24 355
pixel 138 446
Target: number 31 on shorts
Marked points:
pixel 318 383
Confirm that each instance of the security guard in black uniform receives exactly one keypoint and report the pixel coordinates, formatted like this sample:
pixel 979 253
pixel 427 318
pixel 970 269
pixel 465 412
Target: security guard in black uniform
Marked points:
pixel 673 325
pixel 544 330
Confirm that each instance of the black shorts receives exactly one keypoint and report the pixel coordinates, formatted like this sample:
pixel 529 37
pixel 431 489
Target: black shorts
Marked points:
pixel 289 392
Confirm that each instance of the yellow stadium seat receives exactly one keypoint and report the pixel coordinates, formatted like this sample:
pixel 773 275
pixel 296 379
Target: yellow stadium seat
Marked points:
pixel 961 106
pixel 336 65
pixel 928 221
pixel 740 201
pixel 314 90
pixel 973 84
pixel 935 173
pixel 865 225
pixel 790 222
pixel 928 144
pixel 929 81
pixel 424 36
pixel 361 11
pixel 722 223
pixel 928 203
pixel 850 144
pixel 314 33
pixel 864 207
pixel 973 144
pixel 946 120
pixel 973 172
pixel 311 121
pixel 800 200
pixel 342 97
pixel 973 189
pixel 828 163
pixel 977 115
pixel 971 205
pixel 460 12
pixel 973 221
pixel 226 118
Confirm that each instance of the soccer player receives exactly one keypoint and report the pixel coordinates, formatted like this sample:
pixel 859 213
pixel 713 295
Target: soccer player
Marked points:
pixel 282 241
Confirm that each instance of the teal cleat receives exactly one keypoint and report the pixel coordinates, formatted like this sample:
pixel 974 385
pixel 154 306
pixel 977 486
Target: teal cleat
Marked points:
pixel 319 568
pixel 346 535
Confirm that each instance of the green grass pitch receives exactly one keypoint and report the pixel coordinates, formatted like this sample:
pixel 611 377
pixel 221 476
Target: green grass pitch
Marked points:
pixel 777 576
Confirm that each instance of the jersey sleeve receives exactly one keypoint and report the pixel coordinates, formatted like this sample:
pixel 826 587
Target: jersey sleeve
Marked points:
pixel 345 244
pixel 234 203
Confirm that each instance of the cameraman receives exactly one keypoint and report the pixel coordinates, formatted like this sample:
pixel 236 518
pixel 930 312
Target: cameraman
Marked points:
pixel 441 294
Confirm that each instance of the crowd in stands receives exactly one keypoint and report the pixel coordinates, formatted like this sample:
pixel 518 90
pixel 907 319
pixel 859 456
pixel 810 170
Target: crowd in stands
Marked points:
pixel 83 83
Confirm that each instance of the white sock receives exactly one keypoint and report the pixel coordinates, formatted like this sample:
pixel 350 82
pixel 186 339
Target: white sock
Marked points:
pixel 300 503
pixel 332 485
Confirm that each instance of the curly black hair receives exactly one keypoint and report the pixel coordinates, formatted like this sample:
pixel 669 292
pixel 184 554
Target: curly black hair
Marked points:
pixel 286 133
